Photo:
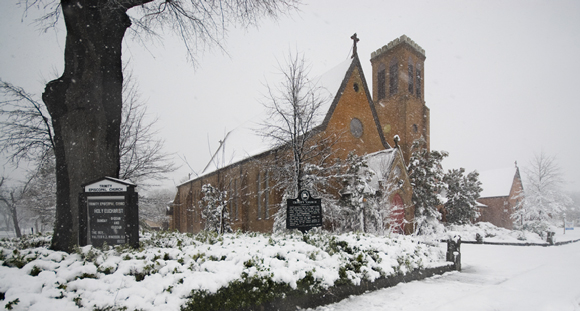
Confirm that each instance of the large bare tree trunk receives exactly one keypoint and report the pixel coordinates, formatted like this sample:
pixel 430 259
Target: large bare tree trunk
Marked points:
pixel 85 105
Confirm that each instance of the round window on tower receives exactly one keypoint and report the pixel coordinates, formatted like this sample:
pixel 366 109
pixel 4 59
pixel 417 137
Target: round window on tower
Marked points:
pixel 356 127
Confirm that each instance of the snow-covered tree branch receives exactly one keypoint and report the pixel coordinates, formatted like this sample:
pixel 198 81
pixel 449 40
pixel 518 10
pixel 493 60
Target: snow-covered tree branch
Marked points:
pixel 305 156
pixel 461 192
pixel 426 176
pixel 544 198
pixel 214 209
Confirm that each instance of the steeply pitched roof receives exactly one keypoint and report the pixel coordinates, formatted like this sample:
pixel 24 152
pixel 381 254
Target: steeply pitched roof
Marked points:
pixel 354 64
pixel 497 182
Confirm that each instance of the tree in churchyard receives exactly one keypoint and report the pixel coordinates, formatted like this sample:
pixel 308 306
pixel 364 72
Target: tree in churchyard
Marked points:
pixel 25 127
pixel 426 177
pixel 153 205
pixel 8 202
pixel 543 197
pixel 39 198
pixel 461 192
pixel 33 200
pixel 572 214
pixel 11 203
pixel 26 133
pixel 365 206
pixel 85 103
pixel 293 113
pixel 358 197
pixel 214 209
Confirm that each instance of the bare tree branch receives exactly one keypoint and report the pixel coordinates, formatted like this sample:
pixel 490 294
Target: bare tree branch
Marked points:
pixel 140 148
pixel 304 160
pixel 291 109
pixel 25 128
pixel 26 133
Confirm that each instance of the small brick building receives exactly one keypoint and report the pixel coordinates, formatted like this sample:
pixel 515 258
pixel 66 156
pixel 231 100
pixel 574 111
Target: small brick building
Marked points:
pixel 501 194
pixel 364 125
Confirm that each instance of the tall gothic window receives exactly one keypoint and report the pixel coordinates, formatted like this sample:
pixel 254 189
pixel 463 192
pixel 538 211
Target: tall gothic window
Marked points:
pixel 381 83
pixel 411 76
pixel 190 208
pixel 199 198
pixel 419 83
pixel 259 195
pixel 266 196
pixel 236 207
pixel 393 78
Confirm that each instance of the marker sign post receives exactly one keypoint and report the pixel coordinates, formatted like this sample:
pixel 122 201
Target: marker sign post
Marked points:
pixel 304 212
pixel 108 213
pixel 568 226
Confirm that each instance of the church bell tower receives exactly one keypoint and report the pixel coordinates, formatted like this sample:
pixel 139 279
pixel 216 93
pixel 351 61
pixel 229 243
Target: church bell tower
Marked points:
pixel 398 93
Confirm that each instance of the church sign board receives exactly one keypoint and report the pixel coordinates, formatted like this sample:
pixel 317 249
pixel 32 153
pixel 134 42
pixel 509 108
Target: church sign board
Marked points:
pixel 108 213
pixel 304 212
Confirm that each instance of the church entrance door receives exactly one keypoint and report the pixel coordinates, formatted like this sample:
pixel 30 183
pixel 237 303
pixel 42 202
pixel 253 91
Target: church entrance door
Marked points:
pixel 398 214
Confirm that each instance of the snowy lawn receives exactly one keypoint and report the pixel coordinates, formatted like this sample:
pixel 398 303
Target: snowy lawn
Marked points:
pixel 494 277
pixel 491 233
pixel 172 268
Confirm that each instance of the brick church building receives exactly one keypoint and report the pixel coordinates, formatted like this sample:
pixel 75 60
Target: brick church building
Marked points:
pixel 365 123
pixel 501 196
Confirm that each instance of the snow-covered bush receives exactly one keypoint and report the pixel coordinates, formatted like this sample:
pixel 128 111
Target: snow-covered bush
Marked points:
pixel 359 199
pixel 491 233
pixel 174 271
pixel 365 205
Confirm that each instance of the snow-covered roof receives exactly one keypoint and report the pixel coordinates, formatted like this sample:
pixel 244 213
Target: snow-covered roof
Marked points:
pixel 380 163
pixel 243 142
pixel 497 182
pixel 330 83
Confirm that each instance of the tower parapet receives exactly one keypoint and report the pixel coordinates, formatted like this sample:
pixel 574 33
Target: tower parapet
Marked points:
pixel 394 43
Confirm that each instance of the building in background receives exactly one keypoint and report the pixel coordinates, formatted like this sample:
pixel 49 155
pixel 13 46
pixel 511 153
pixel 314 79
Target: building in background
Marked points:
pixel 502 193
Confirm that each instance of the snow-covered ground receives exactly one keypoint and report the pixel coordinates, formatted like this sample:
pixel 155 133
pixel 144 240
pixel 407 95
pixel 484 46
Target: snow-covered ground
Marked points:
pixel 494 277
pixel 164 272
pixel 491 233
pixel 161 275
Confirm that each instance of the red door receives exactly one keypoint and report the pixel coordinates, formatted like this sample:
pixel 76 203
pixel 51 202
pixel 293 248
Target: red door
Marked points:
pixel 397 214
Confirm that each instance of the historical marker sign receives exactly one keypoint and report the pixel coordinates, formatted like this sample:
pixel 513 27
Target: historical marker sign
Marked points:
pixel 108 213
pixel 304 212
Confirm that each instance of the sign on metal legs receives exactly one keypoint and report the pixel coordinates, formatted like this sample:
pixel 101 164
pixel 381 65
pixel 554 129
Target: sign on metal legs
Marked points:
pixel 304 212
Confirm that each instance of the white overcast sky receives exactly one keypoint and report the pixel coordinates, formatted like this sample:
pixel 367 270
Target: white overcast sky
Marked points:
pixel 501 77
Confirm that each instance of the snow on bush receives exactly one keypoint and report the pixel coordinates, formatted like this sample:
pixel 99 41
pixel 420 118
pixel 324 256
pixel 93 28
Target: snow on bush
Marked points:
pixel 491 233
pixel 173 270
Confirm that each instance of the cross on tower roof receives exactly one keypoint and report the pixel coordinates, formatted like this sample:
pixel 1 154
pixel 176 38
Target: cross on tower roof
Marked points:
pixel 355 39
